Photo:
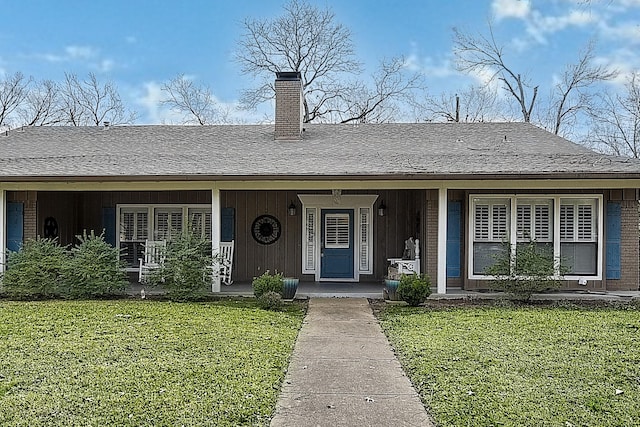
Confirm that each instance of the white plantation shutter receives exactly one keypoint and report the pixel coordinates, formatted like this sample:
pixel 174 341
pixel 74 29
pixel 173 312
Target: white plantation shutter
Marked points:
pixel 310 239
pixel 168 223
pixel 142 225
pixel 542 230
pixel 196 219
pixel 127 225
pixel 567 222
pixel 364 240
pixel 162 225
pixel 499 214
pixel 482 222
pixel 207 225
pixel 336 231
pixel 523 222
pixel 585 223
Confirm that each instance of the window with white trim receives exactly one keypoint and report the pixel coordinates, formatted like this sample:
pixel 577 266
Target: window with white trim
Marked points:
pixel 200 222
pixel 579 235
pixel 137 223
pixel 568 225
pixel 364 239
pixel 134 230
pixel 310 239
pixel 490 231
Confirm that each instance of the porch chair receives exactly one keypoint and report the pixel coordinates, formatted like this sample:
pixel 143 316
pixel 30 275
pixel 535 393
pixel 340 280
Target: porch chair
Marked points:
pixel 225 257
pixel 154 255
pixel 410 261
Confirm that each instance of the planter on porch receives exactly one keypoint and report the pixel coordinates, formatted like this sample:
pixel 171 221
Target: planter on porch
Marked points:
pixel 391 286
pixel 290 286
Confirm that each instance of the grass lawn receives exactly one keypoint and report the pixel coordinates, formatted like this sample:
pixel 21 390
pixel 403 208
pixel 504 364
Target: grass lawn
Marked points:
pixel 142 363
pixel 533 366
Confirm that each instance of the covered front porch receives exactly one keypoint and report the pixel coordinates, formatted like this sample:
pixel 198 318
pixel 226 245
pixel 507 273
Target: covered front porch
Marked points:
pixel 131 213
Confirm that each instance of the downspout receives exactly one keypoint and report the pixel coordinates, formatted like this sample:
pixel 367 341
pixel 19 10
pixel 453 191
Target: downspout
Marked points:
pixel 442 240
pixel 216 220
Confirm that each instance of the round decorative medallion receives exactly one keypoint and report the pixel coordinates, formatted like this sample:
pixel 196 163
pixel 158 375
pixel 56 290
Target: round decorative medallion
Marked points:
pixel 266 229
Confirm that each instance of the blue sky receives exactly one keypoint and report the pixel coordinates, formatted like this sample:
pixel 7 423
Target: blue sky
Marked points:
pixel 141 44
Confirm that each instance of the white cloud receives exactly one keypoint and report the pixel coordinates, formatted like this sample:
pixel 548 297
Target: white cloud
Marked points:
pixel 623 60
pixel 429 67
pixel 627 31
pixel 539 25
pixel 503 9
pixel 76 53
pixel 105 65
pixel 80 52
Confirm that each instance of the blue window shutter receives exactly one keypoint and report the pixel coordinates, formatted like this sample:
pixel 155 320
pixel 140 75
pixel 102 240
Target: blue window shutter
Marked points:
pixel 614 232
pixel 454 239
pixel 15 226
pixel 109 225
pixel 227 226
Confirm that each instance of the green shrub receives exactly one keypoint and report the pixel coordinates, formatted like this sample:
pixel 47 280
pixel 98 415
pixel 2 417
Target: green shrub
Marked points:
pixel 534 270
pixel 267 282
pixel 414 288
pixel 186 274
pixel 94 269
pixel 270 301
pixel 35 270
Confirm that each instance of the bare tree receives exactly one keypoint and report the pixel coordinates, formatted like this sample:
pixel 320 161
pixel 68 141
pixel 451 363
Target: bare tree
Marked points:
pixel 381 101
pixel 474 104
pixel 196 103
pixel 616 125
pixel 13 90
pixel 87 102
pixel 570 96
pixel 484 54
pixel 41 106
pixel 305 39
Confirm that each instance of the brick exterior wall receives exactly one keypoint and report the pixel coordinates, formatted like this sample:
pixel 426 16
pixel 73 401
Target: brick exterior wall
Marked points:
pixel 628 249
pixel 29 200
pixel 432 239
pixel 289 109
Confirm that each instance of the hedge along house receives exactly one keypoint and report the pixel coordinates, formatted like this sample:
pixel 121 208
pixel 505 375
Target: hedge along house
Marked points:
pixel 329 202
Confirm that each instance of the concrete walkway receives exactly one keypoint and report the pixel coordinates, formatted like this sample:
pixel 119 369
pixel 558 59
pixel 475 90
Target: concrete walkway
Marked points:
pixel 344 373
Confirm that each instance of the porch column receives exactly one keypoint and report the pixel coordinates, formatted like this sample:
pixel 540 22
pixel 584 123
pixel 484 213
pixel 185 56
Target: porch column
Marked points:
pixel 3 229
pixel 442 241
pixel 216 214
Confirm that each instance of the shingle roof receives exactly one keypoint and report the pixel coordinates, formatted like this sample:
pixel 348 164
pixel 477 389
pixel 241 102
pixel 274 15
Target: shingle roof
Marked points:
pixel 420 151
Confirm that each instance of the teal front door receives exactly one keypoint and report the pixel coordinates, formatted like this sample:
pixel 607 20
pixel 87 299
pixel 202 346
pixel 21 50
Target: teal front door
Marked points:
pixel 337 244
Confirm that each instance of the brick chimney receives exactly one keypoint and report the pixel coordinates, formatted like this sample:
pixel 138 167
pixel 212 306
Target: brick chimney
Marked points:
pixel 289 105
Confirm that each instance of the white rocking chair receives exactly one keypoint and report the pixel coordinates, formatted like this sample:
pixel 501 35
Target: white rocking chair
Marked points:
pixel 410 262
pixel 154 255
pixel 225 259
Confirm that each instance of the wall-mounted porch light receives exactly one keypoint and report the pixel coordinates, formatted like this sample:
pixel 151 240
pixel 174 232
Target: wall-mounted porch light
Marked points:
pixel 292 209
pixel 382 209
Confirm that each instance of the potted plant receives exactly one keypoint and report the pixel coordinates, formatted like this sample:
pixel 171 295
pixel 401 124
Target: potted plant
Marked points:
pixel 290 286
pixel 391 284
pixel 414 288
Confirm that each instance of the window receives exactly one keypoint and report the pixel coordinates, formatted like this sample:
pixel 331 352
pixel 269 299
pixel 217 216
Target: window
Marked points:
pixel 364 239
pixel 579 236
pixel 161 222
pixel 200 221
pixel 491 231
pixel 337 231
pixel 134 230
pixel 569 225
